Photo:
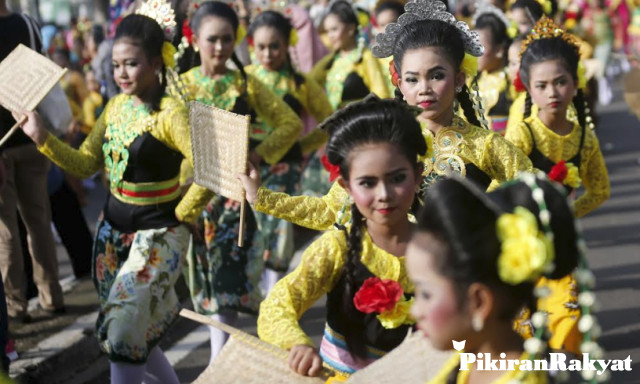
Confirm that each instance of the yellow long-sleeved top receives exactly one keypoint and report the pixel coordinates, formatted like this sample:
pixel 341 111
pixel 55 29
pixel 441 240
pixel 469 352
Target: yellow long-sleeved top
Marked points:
pixel 489 152
pixel 223 93
pixel 317 273
pixel 531 377
pixel 332 72
pixel 593 170
pixel 118 125
pixel 309 94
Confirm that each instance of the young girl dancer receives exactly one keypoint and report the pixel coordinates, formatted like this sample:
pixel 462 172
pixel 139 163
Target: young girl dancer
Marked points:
pixel 377 146
pixel 492 26
pixel 551 74
pixel 431 58
pixel 224 278
pixel 141 139
pixel 270 34
pixel 474 261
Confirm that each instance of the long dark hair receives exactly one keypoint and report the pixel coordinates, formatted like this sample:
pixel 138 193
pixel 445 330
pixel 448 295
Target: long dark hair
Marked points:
pixel 281 24
pixel 499 36
pixel 463 218
pixel 554 48
pixel 369 121
pixel 435 33
pixel 145 32
pixel 223 11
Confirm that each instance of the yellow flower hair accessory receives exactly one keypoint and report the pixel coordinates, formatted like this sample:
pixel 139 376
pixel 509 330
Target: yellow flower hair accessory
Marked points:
pixel 526 252
pixel 399 315
pixel 293 37
pixel 363 17
pixel 240 34
pixel 582 76
pixel 168 54
pixel 469 65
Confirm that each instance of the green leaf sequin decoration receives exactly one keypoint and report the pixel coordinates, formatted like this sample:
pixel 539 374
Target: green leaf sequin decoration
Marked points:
pixel 129 123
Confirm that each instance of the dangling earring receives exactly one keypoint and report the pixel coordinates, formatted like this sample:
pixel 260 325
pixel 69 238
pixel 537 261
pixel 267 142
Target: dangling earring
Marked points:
pixel 458 89
pixel 477 323
pixel 195 48
pixel 159 74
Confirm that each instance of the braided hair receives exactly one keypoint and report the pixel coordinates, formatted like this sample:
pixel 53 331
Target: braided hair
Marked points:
pixel 435 33
pixel 369 121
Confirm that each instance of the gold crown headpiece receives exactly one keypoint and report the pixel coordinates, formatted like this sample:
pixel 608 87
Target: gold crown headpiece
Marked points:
pixel 280 6
pixel 162 13
pixel 545 28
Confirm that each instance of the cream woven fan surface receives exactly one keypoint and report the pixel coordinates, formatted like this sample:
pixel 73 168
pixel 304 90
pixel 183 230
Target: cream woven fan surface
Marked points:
pixel 220 143
pixel 25 79
pixel 414 361
pixel 245 359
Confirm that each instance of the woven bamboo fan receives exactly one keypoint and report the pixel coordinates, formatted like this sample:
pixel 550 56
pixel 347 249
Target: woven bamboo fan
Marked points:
pixel 25 79
pixel 220 144
pixel 245 359
pixel 632 91
pixel 414 361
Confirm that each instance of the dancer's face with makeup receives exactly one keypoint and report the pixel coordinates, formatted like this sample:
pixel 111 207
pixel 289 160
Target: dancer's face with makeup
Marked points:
pixel 382 182
pixel 215 39
pixel 428 79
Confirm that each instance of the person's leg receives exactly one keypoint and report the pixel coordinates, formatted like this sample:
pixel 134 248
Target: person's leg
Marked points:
pixel 125 373
pixel 33 203
pixel 218 337
pixel 159 370
pixel 11 265
pixel 4 331
pixel 73 230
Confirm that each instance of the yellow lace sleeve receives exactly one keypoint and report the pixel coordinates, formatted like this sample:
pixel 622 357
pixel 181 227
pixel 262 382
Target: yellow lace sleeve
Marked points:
pixel 595 178
pixel 84 161
pixel 370 71
pixel 316 275
pixel 319 71
pixel 520 136
pixel 271 108
pixel 503 159
pixel 317 104
pixel 173 130
pixel 319 213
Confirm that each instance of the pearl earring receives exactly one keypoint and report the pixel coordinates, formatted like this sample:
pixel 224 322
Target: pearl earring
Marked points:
pixel 477 323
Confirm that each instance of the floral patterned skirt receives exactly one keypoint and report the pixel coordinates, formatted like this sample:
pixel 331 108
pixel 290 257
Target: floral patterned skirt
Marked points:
pixel 135 274
pixel 277 235
pixel 220 274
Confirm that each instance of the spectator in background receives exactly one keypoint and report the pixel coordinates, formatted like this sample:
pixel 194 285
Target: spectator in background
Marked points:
pixel 25 191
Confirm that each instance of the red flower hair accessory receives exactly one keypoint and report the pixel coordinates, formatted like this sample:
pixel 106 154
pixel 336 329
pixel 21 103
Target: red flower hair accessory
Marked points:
pixel 187 32
pixel 559 172
pixel 250 40
pixel 377 295
pixel 394 74
pixel 518 84
pixel 334 170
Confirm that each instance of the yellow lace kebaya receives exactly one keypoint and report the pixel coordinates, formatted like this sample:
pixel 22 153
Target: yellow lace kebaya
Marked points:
pixel 223 93
pixel 318 272
pixel 593 170
pixel 120 123
pixel 533 377
pixel 462 142
pixel 309 94
pixel 332 72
